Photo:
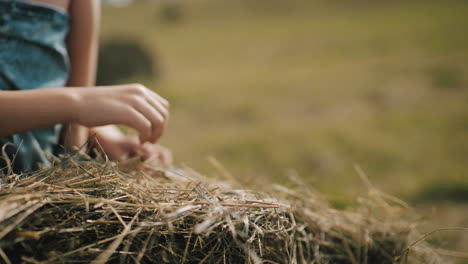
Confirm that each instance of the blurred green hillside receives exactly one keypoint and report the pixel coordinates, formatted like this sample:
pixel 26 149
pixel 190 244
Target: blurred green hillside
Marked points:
pixel 267 86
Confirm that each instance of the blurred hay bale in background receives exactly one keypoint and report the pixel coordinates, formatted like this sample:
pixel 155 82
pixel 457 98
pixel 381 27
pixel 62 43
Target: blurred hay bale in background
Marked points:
pixel 134 213
pixel 170 12
pixel 121 59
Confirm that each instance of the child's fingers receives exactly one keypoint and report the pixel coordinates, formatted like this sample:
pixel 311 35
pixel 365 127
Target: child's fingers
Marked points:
pixel 145 152
pixel 163 111
pixel 165 156
pixel 156 152
pixel 156 133
pixel 138 121
pixel 157 102
pixel 160 99
pixel 140 89
pixel 156 119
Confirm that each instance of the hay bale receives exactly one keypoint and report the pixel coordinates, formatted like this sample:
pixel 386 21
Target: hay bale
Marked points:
pixel 100 212
pixel 121 59
pixel 170 12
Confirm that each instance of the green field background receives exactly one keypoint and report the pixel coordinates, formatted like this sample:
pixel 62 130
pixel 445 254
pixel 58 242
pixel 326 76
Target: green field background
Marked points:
pixel 272 87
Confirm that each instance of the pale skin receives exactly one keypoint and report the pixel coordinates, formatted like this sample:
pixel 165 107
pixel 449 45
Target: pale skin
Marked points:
pixel 87 109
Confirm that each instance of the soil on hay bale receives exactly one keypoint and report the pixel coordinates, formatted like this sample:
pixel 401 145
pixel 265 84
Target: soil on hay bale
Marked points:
pixel 101 212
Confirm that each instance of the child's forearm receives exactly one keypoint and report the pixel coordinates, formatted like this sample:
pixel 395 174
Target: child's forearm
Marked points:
pixel 74 135
pixel 82 44
pixel 132 104
pixel 26 110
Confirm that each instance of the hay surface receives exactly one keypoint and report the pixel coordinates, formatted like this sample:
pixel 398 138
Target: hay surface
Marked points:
pixel 99 212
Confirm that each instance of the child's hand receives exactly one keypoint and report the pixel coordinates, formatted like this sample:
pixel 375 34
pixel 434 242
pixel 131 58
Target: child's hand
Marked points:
pixel 156 153
pixel 118 146
pixel 133 105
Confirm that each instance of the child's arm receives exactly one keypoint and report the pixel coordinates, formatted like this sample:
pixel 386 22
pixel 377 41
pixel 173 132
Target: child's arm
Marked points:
pixel 133 105
pixel 82 43
pixel 82 47
pixel 26 110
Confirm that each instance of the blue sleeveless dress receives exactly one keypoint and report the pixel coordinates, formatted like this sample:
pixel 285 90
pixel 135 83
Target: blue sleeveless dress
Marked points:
pixel 33 55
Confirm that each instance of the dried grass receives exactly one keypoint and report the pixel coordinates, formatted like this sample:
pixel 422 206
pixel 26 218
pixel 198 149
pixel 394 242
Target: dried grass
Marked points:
pixel 100 212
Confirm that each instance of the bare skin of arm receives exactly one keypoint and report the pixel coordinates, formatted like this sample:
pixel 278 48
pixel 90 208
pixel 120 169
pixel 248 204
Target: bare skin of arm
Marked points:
pixel 82 43
pixel 82 47
pixel 133 105
pixel 92 110
pixel 22 111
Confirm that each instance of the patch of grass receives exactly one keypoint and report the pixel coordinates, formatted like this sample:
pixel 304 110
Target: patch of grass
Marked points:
pixel 443 192
pixel 446 77
pixel 342 204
